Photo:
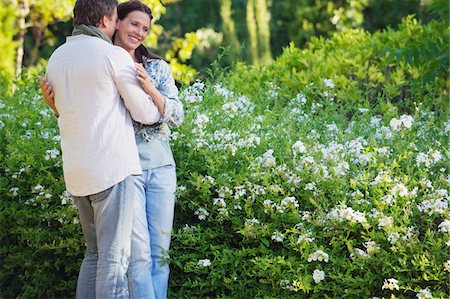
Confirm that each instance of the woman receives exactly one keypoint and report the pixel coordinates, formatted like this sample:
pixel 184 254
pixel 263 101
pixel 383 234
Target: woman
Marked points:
pixel 156 187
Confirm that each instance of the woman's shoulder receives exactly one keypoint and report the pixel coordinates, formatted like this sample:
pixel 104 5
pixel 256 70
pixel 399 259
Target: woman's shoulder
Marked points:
pixel 158 63
pixel 159 66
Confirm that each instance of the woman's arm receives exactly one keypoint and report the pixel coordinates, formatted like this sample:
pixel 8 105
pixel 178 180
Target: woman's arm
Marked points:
pixel 47 93
pixel 150 89
pixel 173 111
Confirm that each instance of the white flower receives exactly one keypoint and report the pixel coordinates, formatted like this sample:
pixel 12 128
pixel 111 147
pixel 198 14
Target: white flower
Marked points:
pixel 388 199
pixel 406 120
pixel 390 284
pixel 319 255
pixel 328 83
pixel 360 253
pixel 382 177
pixel 194 93
pixel 299 147
pixel 201 120
pixel 204 263
pixel 14 191
pixel 436 156
pixel 201 213
pixel 445 226
pixel 342 213
pixel 286 284
pixel 277 236
pixel 384 151
pixel 341 168
pixel 65 197
pixel 395 124
pixel 252 221
pixel 310 186
pixel 424 294
pixel 375 121
pixel 300 98
pixel 51 154
pixel 318 275
pixel 189 229
pixel 219 202
pixel 442 193
pixel 438 204
pixel 447 266
pixel 423 159
pixel 371 246
pixel 306 237
pixel 289 201
pixel 267 160
pixel 393 237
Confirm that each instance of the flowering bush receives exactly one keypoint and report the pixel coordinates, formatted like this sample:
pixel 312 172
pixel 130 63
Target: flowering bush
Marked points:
pixel 301 201
pixel 290 185
pixel 310 179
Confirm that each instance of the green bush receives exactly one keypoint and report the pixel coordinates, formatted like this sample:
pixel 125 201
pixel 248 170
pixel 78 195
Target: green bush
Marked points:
pixel 312 177
pixel 392 67
pixel 42 243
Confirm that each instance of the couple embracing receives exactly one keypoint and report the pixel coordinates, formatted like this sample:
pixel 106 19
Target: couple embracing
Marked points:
pixel 115 102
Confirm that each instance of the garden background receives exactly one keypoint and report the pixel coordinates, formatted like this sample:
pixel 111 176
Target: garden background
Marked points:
pixel 313 161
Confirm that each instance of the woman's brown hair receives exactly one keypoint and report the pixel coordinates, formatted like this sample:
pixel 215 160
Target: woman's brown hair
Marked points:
pixel 123 9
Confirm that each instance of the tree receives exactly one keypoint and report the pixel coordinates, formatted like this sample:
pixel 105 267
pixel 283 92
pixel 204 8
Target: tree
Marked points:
pixel 258 18
pixel 228 27
pixel 251 27
pixel 7 32
pixel 33 17
pixel 263 21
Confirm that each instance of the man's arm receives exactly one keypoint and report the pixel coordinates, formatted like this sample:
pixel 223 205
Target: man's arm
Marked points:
pixel 140 105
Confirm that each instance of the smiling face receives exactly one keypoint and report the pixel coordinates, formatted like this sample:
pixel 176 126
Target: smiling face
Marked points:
pixel 132 30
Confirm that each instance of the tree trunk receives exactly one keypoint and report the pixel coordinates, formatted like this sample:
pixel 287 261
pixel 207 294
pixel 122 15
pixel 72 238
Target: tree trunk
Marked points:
pixel 262 21
pixel 229 29
pixel 252 32
pixel 37 36
pixel 23 9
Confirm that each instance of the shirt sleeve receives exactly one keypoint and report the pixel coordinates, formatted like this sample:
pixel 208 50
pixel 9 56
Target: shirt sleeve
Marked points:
pixel 173 108
pixel 140 105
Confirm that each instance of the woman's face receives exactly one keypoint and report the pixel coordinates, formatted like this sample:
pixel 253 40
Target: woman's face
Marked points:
pixel 132 30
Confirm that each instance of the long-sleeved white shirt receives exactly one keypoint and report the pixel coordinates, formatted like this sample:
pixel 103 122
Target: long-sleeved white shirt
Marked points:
pixel 88 76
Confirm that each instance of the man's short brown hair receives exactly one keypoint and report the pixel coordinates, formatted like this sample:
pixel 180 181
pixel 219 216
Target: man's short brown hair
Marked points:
pixel 89 12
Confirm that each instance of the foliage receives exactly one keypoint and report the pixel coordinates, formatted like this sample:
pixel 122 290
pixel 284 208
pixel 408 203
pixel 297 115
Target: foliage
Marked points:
pixel 296 183
pixel 41 238
pixel 377 70
pixel 7 31
pixel 309 177
pixel 294 21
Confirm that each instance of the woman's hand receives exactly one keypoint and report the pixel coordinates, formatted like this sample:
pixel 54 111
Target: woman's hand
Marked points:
pixel 149 88
pixel 47 93
pixel 143 78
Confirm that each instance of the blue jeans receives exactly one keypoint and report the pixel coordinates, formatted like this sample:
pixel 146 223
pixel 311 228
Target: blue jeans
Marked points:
pixel 156 198
pixel 106 220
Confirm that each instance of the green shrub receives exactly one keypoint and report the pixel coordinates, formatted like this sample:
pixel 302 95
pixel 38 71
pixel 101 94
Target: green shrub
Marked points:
pixel 392 67
pixel 308 178
pixel 41 238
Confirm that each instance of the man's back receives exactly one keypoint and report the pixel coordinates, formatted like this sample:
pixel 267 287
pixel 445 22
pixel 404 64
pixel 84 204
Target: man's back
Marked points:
pixel 97 138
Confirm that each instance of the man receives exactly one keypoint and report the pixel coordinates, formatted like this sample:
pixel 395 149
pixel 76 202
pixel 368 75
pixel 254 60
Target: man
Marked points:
pixel 88 74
